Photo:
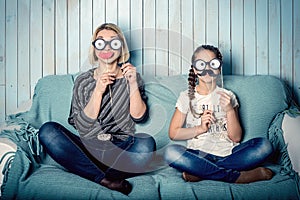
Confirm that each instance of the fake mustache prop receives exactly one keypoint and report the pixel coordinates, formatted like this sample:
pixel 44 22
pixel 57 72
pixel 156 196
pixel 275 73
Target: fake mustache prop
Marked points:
pixel 207 71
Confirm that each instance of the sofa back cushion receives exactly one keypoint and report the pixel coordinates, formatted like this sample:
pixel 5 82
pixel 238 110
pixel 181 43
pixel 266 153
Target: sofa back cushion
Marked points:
pixel 162 93
pixel 260 98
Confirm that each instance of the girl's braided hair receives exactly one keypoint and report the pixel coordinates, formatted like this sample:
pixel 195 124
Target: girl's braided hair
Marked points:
pixel 192 79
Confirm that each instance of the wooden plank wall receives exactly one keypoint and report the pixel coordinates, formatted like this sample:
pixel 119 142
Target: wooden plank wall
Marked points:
pixel 43 37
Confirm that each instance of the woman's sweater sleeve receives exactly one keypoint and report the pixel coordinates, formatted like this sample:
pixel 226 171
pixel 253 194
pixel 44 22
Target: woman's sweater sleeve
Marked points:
pixel 77 117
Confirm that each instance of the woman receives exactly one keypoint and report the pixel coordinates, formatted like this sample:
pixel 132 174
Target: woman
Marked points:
pixel 107 102
pixel 213 130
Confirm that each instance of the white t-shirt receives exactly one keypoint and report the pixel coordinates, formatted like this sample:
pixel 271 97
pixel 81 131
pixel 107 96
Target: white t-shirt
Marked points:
pixel 215 141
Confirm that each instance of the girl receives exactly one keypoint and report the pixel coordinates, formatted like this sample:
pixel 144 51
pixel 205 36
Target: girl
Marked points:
pixel 213 130
pixel 107 102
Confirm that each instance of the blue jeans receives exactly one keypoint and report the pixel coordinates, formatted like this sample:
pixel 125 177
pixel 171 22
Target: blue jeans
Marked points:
pixel 245 156
pixel 127 158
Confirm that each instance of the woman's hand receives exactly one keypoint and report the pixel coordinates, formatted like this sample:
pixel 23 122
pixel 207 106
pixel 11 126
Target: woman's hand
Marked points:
pixel 103 81
pixel 207 119
pixel 92 108
pixel 129 72
pixel 225 101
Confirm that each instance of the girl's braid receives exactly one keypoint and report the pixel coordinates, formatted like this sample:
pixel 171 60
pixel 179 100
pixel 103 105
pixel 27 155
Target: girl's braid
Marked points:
pixel 192 79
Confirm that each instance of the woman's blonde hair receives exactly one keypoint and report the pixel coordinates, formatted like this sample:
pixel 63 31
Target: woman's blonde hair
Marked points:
pixel 124 50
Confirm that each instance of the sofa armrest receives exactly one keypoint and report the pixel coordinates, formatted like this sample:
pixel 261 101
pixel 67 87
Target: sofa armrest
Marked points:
pixel 291 134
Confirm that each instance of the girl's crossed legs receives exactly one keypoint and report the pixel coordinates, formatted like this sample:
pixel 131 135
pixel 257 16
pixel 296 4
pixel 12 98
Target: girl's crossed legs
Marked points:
pixel 239 167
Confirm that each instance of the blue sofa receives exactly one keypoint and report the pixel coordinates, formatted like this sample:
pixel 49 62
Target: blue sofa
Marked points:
pixel 33 174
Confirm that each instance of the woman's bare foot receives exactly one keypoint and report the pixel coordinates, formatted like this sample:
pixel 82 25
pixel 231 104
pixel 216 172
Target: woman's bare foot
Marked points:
pixel 257 174
pixel 190 178
pixel 122 186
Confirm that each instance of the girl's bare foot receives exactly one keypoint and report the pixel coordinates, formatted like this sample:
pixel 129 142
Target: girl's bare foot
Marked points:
pixel 257 174
pixel 190 178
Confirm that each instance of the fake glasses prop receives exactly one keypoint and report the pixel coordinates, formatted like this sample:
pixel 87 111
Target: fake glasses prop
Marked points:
pixel 200 65
pixel 100 44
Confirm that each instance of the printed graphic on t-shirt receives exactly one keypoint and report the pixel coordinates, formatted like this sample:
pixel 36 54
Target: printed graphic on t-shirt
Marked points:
pixel 220 125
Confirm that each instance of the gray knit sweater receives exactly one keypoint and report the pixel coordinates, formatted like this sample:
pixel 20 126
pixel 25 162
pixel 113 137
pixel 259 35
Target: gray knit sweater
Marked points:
pixel 114 117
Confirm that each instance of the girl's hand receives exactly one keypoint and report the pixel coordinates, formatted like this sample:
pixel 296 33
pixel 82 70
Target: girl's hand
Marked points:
pixel 103 80
pixel 129 72
pixel 225 101
pixel 207 119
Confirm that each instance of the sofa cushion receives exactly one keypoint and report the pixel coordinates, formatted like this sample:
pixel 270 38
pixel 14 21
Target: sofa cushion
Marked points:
pixel 172 186
pixel 52 182
pixel 261 97
pixel 162 94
